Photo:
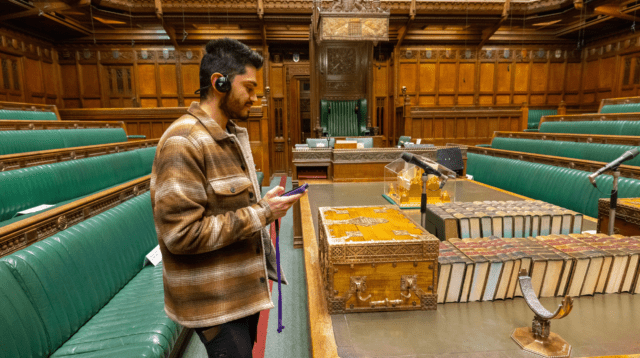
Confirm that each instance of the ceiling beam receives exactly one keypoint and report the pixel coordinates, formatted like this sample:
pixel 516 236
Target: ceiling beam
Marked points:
pixel 614 11
pixel 171 32
pixel 44 8
pixel 487 33
pixel 404 29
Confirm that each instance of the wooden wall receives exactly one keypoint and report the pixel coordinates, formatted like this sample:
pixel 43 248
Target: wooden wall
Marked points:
pixel 29 71
pixel 147 77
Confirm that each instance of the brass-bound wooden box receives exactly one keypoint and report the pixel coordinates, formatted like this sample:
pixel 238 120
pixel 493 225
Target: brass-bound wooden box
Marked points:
pixel 375 258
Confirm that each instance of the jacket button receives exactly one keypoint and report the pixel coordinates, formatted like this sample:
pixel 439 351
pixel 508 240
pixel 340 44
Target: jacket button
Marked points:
pixel 250 195
pixel 262 280
pixel 232 141
pixel 258 250
pixel 242 167
pixel 233 190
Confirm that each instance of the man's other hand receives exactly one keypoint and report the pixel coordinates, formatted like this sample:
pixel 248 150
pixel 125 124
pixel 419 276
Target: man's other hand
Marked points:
pixel 279 205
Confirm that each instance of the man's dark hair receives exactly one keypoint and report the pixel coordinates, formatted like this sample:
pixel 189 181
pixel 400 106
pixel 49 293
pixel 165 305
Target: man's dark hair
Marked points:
pixel 228 57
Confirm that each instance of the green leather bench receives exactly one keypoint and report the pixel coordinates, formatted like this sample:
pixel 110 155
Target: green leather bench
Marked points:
pixel 60 183
pixel 13 115
pixel 621 108
pixel 343 118
pixel 588 151
pixel 318 142
pixel 22 141
pixel 403 139
pixel 84 292
pixel 592 127
pixel 536 114
pixel 568 188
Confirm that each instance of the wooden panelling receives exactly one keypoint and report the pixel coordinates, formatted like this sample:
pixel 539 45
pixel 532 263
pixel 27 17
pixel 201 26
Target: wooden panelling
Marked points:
pixel 70 86
pixel 408 76
pixel 277 88
pixel 427 78
pixel 51 79
pixel 90 81
pixel 538 78
pixel 168 83
pixel 148 102
pixel 170 102
pixel 34 78
pixel 466 79
pixel 380 80
pixel 147 81
pixel 590 75
pixel 504 77
pixel 556 76
pixel 521 83
pixel 486 78
pixel 190 78
pixel 606 73
pixel 447 79
pixel 573 76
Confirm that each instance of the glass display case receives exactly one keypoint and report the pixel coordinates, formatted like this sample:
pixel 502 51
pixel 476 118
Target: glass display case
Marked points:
pixel 403 184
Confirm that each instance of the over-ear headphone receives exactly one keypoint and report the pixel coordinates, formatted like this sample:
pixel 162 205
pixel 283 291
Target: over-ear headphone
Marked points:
pixel 223 84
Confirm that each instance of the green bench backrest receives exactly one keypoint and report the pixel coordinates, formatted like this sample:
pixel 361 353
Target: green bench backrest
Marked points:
pixel 12 142
pixel 313 142
pixel 403 139
pixel 339 118
pixel 568 188
pixel 588 151
pixel 621 108
pixel 536 114
pixel 12 115
pixel 70 276
pixel 593 127
pixel 25 188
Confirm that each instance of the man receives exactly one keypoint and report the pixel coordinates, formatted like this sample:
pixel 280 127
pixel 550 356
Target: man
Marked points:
pixel 207 208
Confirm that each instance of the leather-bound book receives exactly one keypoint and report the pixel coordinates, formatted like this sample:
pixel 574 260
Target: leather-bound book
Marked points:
pixel 588 262
pixel 481 268
pixel 455 269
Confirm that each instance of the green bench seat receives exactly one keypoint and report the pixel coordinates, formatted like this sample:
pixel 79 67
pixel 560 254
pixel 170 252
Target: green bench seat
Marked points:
pixel 12 142
pixel 588 151
pixel 29 187
pixel 592 127
pixel 621 108
pixel 13 115
pixel 534 116
pixel 568 188
pixel 83 292
pixel 343 118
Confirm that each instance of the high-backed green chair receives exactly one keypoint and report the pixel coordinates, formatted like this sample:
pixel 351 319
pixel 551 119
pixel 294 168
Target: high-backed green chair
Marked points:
pixel 403 139
pixel 343 118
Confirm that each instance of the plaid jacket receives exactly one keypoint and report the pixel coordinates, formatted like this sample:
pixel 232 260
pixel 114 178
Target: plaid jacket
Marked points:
pixel 210 222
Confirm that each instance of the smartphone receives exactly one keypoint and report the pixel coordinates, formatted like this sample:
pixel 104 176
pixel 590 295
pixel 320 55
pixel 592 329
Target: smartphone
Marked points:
pixel 297 190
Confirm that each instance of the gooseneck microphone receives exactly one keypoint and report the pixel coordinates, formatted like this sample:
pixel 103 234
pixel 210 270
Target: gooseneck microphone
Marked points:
pixel 628 155
pixel 412 159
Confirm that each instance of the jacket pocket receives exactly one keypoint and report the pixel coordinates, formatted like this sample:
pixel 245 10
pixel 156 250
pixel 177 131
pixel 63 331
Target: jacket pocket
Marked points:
pixel 230 185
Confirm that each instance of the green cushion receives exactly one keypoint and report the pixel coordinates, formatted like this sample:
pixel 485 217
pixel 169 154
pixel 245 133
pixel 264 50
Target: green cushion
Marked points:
pixel 568 188
pixel 317 142
pixel 137 136
pixel 21 329
pixel 71 276
pixel 22 141
pixel 92 136
pixel 367 142
pixel 536 114
pixel 621 108
pixel 25 188
pixel 9 114
pixel 403 139
pixel 593 127
pixel 260 176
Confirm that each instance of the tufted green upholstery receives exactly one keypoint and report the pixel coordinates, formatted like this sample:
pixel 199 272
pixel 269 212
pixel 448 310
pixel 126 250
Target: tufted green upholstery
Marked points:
pixel 137 136
pixel 403 139
pixel 10 114
pixel 536 114
pixel 89 294
pixel 621 108
pixel 12 142
pixel 593 127
pixel 565 187
pixel 367 142
pixel 339 118
pixel 484 145
pixel 313 142
pixel 587 151
pixel 25 188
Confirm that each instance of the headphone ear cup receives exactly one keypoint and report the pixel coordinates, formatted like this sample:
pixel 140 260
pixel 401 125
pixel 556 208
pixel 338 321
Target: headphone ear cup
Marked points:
pixel 222 84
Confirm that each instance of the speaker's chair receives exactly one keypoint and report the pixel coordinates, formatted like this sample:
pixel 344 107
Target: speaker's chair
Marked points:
pixel 344 118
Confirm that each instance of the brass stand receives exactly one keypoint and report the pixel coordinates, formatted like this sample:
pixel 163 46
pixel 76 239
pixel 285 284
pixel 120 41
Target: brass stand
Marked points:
pixel 538 339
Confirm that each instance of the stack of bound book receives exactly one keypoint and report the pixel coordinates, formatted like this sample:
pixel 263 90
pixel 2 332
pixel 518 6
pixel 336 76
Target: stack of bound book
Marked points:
pixel 486 269
pixel 501 218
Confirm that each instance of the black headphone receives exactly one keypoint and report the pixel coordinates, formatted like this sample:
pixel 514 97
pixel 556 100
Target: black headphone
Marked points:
pixel 223 84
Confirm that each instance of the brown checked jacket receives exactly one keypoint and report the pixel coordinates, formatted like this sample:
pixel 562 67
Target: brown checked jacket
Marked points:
pixel 211 223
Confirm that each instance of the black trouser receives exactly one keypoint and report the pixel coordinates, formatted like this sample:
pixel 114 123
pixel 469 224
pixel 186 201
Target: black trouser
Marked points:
pixel 233 339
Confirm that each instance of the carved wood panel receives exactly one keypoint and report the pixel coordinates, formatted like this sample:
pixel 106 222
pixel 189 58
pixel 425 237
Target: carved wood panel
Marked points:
pixel 343 70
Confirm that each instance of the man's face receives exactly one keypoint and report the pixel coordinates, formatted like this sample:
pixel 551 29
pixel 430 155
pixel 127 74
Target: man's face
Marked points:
pixel 236 103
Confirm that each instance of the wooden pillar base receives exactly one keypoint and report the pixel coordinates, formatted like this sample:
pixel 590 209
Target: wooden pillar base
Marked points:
pixel 553 346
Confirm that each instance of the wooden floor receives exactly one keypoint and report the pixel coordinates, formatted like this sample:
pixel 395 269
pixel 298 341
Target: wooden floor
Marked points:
pixel 598 326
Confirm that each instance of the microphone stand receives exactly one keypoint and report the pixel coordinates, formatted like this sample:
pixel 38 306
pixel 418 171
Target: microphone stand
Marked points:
pixel 613 202
pixel 423 201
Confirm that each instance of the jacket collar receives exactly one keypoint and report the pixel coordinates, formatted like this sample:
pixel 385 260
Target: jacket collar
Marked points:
pixel 210 124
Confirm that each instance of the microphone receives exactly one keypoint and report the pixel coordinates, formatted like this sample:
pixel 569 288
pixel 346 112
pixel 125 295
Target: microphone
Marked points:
pixel 628 155
pixel 412 159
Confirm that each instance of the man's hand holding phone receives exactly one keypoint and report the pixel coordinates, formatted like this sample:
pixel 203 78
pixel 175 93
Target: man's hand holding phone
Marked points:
pixel 280 202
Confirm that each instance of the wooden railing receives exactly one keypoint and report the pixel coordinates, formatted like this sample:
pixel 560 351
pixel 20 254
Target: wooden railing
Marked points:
pixel 568 137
